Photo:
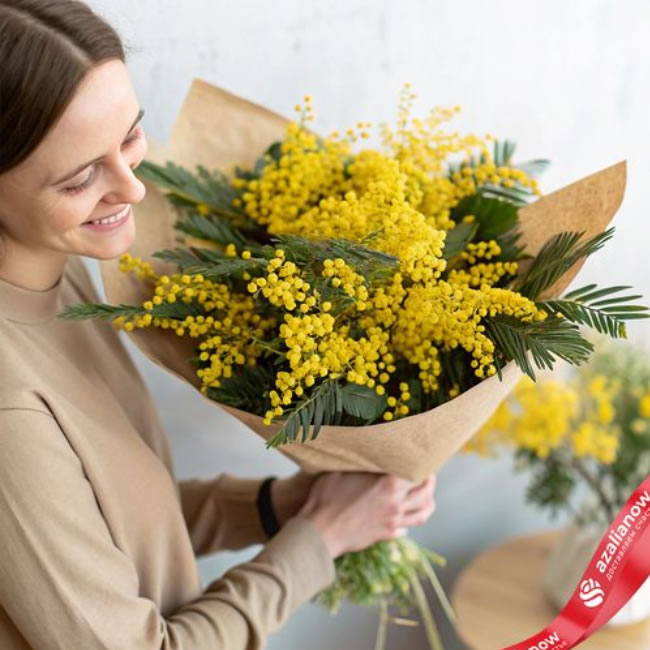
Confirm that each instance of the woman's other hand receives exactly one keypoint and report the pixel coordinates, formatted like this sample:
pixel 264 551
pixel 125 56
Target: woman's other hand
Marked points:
pixel 353 510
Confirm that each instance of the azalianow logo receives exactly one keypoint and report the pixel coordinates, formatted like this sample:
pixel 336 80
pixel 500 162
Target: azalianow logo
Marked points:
pixel 591 593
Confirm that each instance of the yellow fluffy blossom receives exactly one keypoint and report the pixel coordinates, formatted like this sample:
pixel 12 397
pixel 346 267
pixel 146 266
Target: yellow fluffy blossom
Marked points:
pixel 644 406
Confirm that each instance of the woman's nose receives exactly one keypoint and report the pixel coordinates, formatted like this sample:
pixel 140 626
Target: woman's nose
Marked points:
pixel 126 187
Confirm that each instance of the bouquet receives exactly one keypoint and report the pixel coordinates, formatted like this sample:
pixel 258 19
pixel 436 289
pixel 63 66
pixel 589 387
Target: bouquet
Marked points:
pixel 360 310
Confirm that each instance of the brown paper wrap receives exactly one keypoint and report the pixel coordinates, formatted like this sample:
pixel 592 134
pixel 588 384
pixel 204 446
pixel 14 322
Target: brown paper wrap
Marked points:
pixel 218 130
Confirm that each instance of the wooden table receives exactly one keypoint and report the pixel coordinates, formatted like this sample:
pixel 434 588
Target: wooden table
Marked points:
pixel 499 600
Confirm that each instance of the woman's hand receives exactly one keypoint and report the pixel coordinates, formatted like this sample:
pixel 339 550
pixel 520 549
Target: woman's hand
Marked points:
pixel 353 510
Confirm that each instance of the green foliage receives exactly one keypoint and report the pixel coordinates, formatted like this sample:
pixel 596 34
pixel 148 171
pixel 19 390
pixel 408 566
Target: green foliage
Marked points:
pixel 551 484
pixel 363 402
pixel 555 258
pixel 214 267
pixel 458 238
pixel 90 310
pixel 246 389
pixel 494 217
pixel 324 405
pixel 518 195
pixel 370 263
pixel 188 190
pixel 376 578
pixel 545 341
pixel 595 308
pixel 213 228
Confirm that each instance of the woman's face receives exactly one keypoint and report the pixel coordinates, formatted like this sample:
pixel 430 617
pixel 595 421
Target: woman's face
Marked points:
pixel 81 171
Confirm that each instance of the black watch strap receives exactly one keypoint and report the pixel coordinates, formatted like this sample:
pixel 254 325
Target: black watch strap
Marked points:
pixel 265 508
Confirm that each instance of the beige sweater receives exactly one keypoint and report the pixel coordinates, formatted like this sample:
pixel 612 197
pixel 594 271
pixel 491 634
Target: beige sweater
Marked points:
pixel 98 540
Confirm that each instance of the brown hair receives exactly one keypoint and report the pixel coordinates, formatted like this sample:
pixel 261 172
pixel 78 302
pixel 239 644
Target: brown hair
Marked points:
pixel 46 49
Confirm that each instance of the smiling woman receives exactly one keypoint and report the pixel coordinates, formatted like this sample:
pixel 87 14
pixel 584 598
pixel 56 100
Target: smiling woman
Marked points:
pixel 99 540
pixel 70 142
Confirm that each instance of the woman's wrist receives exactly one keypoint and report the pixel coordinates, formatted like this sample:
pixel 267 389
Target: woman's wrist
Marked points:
pixel 288 495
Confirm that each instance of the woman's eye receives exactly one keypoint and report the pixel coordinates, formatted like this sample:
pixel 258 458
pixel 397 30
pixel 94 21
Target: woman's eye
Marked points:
pixel 75 189
pixel 82 186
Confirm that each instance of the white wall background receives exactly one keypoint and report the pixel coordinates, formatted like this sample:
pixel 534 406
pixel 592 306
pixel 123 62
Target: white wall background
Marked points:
pixel 567 80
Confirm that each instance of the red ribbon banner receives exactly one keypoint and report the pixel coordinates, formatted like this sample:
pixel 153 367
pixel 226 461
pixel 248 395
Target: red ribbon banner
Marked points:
pixel 617 569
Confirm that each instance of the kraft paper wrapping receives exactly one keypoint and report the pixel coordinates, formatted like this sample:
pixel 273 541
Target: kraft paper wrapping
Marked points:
pixel 218 130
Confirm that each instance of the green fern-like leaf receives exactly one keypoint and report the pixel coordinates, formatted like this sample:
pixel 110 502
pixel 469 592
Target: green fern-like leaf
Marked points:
pixel 210 264
pixel 556 257
pixel 212 228
pixel 86 311
pixel 188 189
pixel 322 407
pixel 246 389
pixel 363 402
pixel 545 341
pixel 597 309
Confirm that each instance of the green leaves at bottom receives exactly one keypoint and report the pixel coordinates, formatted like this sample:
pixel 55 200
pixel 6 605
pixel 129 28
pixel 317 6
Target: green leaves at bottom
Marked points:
pixel 323 406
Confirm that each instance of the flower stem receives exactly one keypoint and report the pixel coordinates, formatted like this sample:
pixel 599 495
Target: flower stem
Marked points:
pixel 594 484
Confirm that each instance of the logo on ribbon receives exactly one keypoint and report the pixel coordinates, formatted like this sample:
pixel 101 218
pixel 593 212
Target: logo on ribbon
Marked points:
pixel 591 593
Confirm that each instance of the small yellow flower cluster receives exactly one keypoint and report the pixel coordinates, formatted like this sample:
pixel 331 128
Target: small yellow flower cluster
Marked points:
pixel 548 410
pixel 322 190
pixel 292 184
pixel 307 112
pixel 346 278
pixel 590 439
pixel 229 334
pixel 480 250
pixel 448 315
pixel 399 406
pixel 482 274
pixel 550 415
pixel 128 263
pixel 283 285
pixel 316 351
pixel 602 392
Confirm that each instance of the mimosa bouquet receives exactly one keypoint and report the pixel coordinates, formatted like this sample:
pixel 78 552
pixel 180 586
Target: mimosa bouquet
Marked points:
pixel 360 309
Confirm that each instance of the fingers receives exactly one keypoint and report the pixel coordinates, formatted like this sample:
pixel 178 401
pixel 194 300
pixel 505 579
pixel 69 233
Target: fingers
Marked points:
pixel 418 516
pixel 417 505
pixel 425 488
pixel 428 484
pixel 393 487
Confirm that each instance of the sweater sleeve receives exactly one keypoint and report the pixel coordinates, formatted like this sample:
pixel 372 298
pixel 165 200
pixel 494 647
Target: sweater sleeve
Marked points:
pixel 65 584
pixel 221 513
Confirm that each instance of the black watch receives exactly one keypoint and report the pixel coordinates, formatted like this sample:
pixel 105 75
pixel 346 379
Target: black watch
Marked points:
pixel 265 508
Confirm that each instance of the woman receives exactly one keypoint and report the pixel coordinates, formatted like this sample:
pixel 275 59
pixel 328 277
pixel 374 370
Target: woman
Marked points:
pixel 99 541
